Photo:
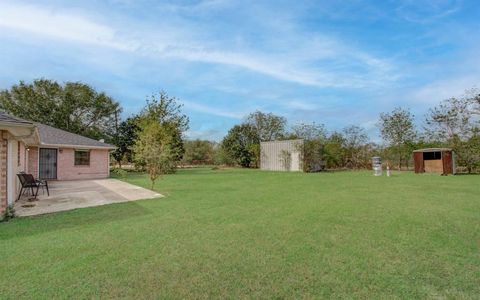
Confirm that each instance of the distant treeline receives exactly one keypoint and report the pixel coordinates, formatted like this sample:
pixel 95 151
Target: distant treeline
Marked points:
pixel 153 139
pixel 454 123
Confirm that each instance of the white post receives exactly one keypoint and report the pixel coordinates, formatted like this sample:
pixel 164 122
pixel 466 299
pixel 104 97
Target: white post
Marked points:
pixel 10 174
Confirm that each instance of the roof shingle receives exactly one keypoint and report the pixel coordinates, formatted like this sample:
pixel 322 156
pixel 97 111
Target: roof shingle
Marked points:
pixel 54 136
pixel 6 118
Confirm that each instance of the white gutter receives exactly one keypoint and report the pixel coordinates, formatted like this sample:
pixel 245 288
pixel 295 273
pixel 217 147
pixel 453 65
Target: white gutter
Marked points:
pixel 77 146
pixel 13 124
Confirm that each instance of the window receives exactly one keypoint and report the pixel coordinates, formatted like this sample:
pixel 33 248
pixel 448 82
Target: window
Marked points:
pixel 432 155
pixel 82 157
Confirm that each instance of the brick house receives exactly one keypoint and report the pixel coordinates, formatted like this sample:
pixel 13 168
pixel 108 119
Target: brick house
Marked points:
pixel 47 153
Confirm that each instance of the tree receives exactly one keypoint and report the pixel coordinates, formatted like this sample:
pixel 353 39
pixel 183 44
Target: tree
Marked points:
pixel 242 145
pixel 199 152
pixel 75 107
pixel 334 151
pixel 453 124
pixel 314 137
pixel 451 118
pixel 222 157
pixel 354 141
pixel 153 149
pixel 267 125
pixel 165 110
pixel 124 139
pixel 468 151
pixel 398 132
pixel 309 132
pixel 472 97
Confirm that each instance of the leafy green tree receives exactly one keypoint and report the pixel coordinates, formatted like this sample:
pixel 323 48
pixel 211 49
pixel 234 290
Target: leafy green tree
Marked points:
pixel 472 97
pixel 166 111
pixel 468 151
pixel 453 124
pixel 124 139
pixel 74 106
pixel 241 144
pixel 153 149
pixel 354 141
pixel 398 131
pixel 309 132
pixel 334 151
pixel 314 137
pixel 267 125
pixel 312 155
pixel 451 118
pixel 199 152
pixel 222 157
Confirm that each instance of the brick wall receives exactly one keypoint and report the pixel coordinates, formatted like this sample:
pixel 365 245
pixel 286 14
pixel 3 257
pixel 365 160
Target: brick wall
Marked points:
pixel 33 161
pixel 67 170
pixel 3 173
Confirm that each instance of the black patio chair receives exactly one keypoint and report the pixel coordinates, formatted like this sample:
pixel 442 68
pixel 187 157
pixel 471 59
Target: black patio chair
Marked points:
pixel 42 184
pixel 27 185
pixel 28 182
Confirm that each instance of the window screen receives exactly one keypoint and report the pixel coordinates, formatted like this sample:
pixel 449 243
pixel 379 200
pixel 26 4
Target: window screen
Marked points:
pixel 82 158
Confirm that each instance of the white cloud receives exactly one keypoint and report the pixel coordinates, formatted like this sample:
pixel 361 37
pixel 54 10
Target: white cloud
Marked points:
pixel 300 105
pixel 437 91
pixel 207 109
pixel 426 11
pixel 296 64
pixel 58 25
pixel 210 134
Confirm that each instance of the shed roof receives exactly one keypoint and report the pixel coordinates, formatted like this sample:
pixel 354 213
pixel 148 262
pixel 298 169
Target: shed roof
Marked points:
pixel 283 141
pixel 433 150
pixel 52 136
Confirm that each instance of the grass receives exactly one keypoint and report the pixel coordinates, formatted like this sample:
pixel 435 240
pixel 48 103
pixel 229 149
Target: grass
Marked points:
pixel 252 234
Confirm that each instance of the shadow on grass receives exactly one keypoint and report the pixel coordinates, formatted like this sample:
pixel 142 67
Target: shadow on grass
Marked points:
pixel 467 174
pixel 28 226
pixel 190 171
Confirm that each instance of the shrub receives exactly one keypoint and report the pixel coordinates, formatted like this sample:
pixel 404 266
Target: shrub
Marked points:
pixel 121 173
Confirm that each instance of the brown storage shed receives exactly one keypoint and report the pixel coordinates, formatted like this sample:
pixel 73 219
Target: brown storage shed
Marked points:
pixel 434 160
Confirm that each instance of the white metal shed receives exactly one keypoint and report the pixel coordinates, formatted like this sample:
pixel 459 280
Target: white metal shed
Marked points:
pixel 281 155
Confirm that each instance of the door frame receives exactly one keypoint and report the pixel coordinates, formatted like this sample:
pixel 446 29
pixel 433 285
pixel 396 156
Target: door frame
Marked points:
pixel 56 163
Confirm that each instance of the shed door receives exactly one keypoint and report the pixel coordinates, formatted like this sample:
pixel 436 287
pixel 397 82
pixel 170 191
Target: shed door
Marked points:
pixel 418 161
pixel 447 162
pixel 47 163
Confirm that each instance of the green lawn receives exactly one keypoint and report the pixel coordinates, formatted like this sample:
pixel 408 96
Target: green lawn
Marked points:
pixel 252 234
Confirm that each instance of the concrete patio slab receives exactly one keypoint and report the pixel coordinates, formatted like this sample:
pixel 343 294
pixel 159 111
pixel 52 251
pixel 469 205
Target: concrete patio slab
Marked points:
pixel 67 195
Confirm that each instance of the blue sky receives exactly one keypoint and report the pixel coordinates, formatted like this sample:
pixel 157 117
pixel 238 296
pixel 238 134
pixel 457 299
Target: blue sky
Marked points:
pixel 333 62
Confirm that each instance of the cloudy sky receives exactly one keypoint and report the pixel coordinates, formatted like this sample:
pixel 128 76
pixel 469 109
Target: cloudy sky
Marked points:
pixel 332 62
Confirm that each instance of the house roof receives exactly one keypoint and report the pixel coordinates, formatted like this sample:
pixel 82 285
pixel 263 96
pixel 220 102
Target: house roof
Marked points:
pixel 9 119
pixel 51 136
pixel 18 128
pixel 433 150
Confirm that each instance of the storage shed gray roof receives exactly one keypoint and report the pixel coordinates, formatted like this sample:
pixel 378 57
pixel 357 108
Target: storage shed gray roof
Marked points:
pixel 52 136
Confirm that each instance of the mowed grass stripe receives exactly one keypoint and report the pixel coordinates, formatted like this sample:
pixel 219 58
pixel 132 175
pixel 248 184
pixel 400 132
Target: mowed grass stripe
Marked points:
pixel 250 234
